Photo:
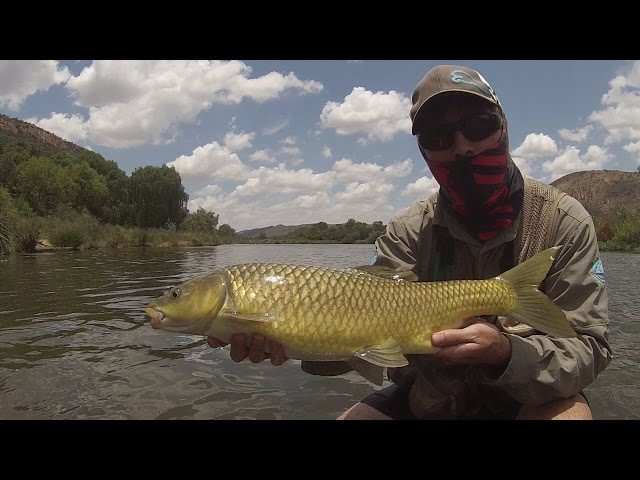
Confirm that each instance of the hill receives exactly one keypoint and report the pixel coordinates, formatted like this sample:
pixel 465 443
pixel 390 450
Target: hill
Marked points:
pixel 603 192
pixel 12 128
pixel 272 231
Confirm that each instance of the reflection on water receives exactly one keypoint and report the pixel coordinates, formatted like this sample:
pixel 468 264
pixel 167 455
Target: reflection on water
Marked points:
pixel 75 343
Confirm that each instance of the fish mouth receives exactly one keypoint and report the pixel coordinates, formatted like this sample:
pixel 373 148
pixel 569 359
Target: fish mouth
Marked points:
pixel 160 321
pixel 156 317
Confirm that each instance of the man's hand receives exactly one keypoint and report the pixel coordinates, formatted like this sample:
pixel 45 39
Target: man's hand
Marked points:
pixel 255 351
pixel 480 343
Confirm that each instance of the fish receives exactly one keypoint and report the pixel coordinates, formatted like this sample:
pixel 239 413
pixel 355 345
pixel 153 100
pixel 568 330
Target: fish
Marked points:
pixel 368 316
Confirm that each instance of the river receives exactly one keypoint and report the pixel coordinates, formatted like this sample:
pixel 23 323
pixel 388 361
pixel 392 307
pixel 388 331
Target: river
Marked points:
pixel 75 342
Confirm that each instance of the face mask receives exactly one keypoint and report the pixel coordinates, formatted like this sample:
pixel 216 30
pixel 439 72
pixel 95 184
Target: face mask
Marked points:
pixel 484 192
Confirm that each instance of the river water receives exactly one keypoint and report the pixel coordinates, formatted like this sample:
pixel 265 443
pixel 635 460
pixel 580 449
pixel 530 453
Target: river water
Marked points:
pixel 75 342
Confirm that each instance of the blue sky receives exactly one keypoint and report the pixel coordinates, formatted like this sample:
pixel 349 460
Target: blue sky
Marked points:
pixel 287 142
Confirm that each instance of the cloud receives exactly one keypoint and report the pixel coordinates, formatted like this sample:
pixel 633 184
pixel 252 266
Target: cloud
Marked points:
pixel 525 165
pixel 275 127
pixel 326 152
pixel 536 145
pixel 577 135
pixel 238 141
pixel 19 79
pixel 69 127
pixel 346 170
pixel 421 188
pixel 621 115
pixel 263 156
pixel 132 102
pixel 570 160
pixel 279 181
pixel 380 116
pixel 210 161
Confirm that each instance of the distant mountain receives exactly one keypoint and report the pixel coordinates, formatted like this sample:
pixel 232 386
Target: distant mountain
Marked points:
pixel 272 231
pixel 602 192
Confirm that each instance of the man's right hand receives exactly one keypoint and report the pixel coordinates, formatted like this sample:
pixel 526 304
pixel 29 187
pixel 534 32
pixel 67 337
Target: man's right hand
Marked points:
pixel 255 350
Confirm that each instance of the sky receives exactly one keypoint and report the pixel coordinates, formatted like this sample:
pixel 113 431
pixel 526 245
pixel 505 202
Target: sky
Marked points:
pixel 265 142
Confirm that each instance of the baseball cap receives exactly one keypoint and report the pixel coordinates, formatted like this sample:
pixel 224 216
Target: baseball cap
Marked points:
pixel 449 78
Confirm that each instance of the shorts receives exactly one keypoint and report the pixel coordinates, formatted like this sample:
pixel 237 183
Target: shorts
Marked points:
pixel 393 401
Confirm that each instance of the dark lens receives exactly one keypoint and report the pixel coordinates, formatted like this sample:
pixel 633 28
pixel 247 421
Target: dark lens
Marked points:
pixel 438 137
pixel 480 126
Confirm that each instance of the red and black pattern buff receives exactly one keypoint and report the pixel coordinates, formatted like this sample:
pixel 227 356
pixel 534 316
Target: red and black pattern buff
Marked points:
pixel 484 192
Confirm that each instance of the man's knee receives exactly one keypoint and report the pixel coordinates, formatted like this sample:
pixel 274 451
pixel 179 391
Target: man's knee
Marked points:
pixel 362 411
pixel 574 408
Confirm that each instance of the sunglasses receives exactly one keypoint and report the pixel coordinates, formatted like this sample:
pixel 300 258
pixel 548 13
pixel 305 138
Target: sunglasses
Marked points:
pixel 474 127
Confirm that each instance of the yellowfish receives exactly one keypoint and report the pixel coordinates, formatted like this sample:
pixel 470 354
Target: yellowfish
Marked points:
pixel 368 318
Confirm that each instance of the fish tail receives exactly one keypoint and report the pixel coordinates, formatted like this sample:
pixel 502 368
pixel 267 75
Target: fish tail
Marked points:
pixel 532 307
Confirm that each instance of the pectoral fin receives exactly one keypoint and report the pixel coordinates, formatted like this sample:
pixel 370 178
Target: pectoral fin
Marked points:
pixel 388 354
pixel 371 372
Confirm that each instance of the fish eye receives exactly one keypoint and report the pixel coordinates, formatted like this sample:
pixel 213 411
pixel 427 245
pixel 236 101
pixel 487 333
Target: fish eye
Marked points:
pixel 175 293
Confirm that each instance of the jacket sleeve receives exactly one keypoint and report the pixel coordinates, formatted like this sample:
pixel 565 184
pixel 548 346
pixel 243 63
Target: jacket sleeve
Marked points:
pixel 396 248
pixel 543 368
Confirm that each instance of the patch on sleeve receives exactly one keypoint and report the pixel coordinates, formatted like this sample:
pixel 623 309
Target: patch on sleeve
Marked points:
pixel 598 272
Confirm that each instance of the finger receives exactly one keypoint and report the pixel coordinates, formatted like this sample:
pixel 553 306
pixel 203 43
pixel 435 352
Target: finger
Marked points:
pixel 277 353
pixel 448 338
pixel 238 347
pixel 458 354
pixel 256 350
pixel 215 343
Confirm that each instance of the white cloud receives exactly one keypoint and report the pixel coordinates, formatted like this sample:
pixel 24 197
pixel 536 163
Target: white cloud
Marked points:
pixel 421 188
pixel 275 127
pixel 279 180
pixel 134 102
pixel 364 192
pixel 577 135
pixel 19 79
pixel 69 127
pixel 632 147
pixel 326 152
pixel 536 145
pixel 346 170
pixel 238 141
pixel 621 115
pixel 210 161
pixel 525 165
pixel 570 160
pixel 380 116
pixel 291 151
pixel 263 156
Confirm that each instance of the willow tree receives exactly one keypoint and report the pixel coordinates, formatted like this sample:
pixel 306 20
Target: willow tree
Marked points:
pixel 156 197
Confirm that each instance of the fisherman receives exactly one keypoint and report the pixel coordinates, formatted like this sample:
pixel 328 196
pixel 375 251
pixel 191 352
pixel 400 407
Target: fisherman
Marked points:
pixel 485 219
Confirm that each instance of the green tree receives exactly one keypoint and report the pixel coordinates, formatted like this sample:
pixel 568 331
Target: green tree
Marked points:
pixel 156 196
pixel 226 230
pixel 90 187
pixel 44 185
pixel 201 221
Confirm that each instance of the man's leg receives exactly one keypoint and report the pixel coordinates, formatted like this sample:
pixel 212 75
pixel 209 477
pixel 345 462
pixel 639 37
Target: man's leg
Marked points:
pixel 574 408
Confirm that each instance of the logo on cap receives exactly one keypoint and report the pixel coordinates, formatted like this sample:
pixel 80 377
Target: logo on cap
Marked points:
pixel 460 76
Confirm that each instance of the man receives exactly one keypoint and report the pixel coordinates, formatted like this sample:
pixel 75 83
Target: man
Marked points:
pixel 484 219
